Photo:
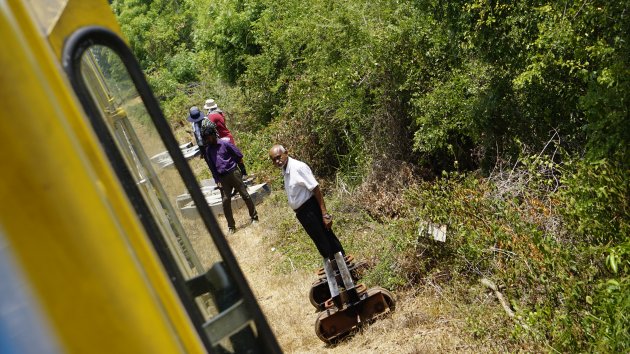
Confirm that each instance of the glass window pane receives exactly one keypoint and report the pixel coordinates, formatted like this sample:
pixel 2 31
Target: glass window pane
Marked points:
pixel 164 193
pixel 146 157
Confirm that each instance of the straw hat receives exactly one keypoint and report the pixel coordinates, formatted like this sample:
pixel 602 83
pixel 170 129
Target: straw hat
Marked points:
pixel 210 104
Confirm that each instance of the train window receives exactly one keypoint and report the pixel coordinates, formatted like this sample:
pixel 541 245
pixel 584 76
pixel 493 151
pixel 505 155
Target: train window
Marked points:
pixel 127 120
pixel 151 167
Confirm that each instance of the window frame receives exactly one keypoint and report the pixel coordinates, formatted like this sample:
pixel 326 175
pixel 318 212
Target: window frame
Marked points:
pixel 75 47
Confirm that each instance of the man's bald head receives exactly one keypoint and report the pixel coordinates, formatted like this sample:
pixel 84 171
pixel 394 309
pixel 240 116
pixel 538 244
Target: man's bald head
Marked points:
pixel 277 149
pixel 278 155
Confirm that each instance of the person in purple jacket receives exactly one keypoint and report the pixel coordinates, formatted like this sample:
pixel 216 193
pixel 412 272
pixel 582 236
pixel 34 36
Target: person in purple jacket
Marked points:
pixel 222 158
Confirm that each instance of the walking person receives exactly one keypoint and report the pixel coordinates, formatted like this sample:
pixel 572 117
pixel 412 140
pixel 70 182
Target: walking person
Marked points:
pixel 216 116
pixel 222 157
pixel 305 198
pixel 195 118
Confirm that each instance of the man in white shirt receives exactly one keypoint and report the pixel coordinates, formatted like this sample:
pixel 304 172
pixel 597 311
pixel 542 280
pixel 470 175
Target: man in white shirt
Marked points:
pixel 305 198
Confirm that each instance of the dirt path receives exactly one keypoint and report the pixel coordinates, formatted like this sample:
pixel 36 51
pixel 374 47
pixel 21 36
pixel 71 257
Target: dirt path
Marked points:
pixel 422 323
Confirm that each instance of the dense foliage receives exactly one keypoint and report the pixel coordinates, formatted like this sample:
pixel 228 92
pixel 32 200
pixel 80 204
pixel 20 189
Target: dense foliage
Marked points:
pixel 524 104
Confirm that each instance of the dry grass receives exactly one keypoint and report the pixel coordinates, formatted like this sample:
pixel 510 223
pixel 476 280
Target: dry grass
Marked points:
pixel 380 193
pixel 424 321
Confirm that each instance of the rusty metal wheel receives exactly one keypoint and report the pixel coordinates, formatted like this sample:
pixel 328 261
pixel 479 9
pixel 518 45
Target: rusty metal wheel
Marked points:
pixel 376 303
pixel 387 295
pixel 333 325
pixel 319 293
pixel 319 329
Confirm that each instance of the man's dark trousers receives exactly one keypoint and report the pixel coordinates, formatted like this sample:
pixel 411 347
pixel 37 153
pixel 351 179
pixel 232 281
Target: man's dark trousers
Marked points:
pixel 310 216
pixel 230 181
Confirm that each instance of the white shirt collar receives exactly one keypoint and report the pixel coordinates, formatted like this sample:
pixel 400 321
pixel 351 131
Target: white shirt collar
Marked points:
pixel 286 170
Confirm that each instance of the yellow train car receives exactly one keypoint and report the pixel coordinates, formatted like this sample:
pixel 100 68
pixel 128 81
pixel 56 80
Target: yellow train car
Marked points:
pixel 94 257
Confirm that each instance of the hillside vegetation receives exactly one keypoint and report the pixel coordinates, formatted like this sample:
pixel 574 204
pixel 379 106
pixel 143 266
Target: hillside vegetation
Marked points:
pixel 505 122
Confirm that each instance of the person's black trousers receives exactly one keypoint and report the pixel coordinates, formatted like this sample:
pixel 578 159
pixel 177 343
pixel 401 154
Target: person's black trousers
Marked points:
pixel 310 216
